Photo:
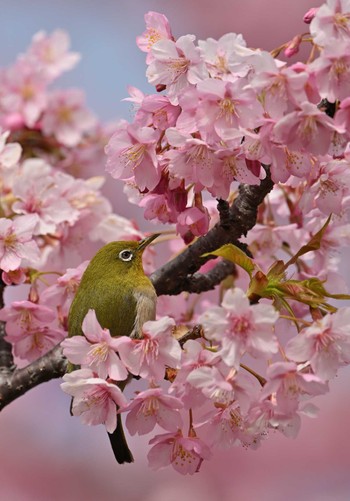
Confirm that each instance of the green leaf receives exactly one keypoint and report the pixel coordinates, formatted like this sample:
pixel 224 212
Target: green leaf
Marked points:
pixel 313 244
pixel 235 255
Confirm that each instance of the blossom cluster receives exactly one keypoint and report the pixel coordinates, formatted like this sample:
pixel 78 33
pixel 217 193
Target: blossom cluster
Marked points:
pixel 213 398
pixel 226 113
pixel 220 368
pixel 51 203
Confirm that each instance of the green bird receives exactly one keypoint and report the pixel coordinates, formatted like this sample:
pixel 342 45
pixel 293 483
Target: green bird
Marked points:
pixel 115 285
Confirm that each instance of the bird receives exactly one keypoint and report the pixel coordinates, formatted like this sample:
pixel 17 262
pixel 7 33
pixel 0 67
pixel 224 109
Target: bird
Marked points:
pixel 114 284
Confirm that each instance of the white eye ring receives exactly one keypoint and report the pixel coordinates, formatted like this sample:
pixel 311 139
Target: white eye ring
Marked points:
pixel 126 255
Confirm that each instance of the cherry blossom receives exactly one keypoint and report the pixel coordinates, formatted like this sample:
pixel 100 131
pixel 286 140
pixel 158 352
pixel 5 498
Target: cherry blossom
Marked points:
pixel 158 28
pixel 148 357
pixel 288 384
pixel 308 128
pixel 131 152
pixel 66 117
pixel 176 65
pixel 331 22
pixel 95 350
pixel 23 96
pixel 16 241
pixel 185 454
pixel 95 400
pixel 151 407
pixel 20 316
pixel 36 342
pixel 241 327
pixel 325 344
pixel 51 53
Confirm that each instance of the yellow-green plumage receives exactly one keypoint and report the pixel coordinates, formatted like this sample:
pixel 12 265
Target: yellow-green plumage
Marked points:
pixel 123 298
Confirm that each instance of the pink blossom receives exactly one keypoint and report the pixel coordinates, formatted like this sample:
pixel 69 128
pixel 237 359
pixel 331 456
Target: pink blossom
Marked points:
pixel 325 344
pixel 131 152
pixel 97 350
pixel 157 111
pixel 212 383
pixel 331 22
pixel 288 385
pixel 16 241
pixel 193 221
pixel 234 166
pixel 66 117
pixel 157 207
pixel 332 72
pixel 176 65
pixel 241 327
pixel 224 58
pixel 226 106
pixel 50 53
pixel 23 94
pixel 94 399
pixel 62 292
pixel 185 454
pixel 307 128
pixel 149 356
pixel 36 342
pixel 157 28
pixel 39 193
pixel 225 426
pixel 278 87
pixel 21 316
pixel 151 407
pixel 191 159
pixel 194 356
pixel 286 163
pixel 329 189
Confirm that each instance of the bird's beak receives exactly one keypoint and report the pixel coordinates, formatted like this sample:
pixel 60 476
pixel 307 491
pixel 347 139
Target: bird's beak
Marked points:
pixel 146 241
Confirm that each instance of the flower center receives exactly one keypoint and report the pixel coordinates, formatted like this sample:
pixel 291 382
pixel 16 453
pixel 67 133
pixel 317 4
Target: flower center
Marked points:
pixel 98 353
pixel 178 67
pixel 152 36
pixel 307 128
pixel 149 407
pixel 227 109
pixel 150 350
pixel 10 241
pixel 65 114
pixel 133 155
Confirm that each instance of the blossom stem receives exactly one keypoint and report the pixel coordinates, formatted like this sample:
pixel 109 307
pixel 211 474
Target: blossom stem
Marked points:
pixel 261 379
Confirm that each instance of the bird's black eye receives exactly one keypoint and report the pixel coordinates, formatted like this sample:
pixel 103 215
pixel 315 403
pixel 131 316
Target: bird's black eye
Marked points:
pixel 126 255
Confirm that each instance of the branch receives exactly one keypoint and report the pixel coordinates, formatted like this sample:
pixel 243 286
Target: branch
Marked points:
pixel 50 366
pixel 233 224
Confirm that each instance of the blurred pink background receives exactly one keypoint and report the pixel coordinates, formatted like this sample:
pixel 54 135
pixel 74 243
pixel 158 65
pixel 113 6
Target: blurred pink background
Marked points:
pixel 46 454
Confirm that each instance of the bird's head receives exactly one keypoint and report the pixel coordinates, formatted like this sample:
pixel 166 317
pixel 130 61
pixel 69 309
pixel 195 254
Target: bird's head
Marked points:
pixel 121 257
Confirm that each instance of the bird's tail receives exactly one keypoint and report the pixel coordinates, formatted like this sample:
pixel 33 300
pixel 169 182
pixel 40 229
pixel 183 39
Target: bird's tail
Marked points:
pixel 119 444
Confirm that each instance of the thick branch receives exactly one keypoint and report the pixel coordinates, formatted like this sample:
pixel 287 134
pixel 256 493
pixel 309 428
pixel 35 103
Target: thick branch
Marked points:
pixel 50 366
pixel 234 223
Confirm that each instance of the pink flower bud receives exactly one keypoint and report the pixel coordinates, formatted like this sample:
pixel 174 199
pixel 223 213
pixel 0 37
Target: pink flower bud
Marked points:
pixel 293 46
pixel 308 17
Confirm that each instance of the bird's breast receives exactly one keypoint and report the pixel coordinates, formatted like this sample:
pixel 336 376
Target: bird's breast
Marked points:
pixel 146 300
